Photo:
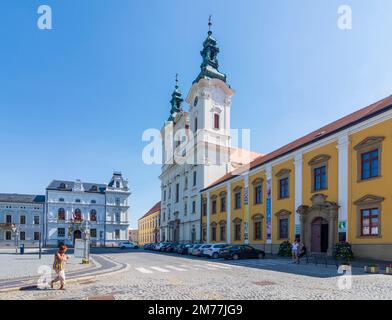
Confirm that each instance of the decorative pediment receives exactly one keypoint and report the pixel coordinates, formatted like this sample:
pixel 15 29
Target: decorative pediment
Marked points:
pixel 204 225
pixel 257 181
pixel 223 194
pixel 319 159
pixel 302 210
pixel 237 189
pixel 319 199
pixel 282 213
pixel 214 197
pixel 369 199
pixel 237 221
pixel 283 172
pixel 213 224
pixel 369 141
pixel 222 222
pixel 257 217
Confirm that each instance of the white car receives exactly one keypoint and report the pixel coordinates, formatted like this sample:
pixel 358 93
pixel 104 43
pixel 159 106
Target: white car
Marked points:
pixel 213 250
pixel 128 245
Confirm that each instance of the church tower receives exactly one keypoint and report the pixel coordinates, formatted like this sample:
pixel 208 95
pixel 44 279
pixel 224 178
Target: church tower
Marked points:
pixel 210 100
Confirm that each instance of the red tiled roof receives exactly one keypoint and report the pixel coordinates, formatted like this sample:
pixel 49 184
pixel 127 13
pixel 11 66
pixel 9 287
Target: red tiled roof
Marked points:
pixel 154 209
pixel 338 125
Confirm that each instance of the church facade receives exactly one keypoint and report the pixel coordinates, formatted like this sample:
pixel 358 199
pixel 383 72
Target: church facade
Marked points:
pixel 196 148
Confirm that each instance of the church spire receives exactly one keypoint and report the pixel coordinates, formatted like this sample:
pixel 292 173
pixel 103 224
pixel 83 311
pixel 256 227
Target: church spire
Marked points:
pixel 209 66
pixel 176 101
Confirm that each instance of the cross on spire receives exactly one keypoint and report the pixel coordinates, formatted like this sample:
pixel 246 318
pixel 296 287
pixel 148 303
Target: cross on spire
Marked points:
pixel 209 25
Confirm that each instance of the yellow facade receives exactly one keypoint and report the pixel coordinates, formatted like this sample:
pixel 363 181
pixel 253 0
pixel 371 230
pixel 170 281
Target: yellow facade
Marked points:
pixel 149 227
pixel 320 192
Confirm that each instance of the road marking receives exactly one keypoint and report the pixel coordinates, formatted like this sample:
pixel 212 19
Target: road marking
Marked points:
pixel 175 268
pixel 218 266
pixel 189 266
pixel 159 269
pixel 143 270
pixel 205 267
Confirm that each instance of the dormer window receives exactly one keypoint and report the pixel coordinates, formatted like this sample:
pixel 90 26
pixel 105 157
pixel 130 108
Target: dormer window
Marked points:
pixel 94 188
pixel 62 186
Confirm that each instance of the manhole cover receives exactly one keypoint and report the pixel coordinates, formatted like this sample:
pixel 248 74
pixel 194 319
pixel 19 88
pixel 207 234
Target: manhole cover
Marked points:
pixel 101 298
pixel 265 283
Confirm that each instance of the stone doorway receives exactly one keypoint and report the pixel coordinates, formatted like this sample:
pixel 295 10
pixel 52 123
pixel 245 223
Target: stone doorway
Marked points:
pixel 319 224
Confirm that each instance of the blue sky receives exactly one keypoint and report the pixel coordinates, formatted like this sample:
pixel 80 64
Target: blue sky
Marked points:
pixel 75 100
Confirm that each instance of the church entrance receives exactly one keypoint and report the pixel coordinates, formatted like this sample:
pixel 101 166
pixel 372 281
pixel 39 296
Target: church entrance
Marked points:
pixel 319 240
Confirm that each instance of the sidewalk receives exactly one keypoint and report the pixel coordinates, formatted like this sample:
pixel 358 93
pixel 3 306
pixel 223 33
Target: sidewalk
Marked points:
pixel 356 263
pixel 28 265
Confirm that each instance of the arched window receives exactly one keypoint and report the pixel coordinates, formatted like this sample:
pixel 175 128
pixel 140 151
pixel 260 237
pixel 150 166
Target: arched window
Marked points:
pixel 93 215
pixel 77 214
pixel 61 214
pixel 117 184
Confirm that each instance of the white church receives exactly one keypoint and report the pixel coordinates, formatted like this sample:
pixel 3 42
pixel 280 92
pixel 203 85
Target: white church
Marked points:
pixel 203 159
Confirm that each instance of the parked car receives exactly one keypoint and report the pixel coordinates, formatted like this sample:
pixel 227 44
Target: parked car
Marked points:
pixel 199 251
pixel 128 245
pixel 193 248
pixel 184 249
pixel 241 252
pixel 214 250
pixel 171 247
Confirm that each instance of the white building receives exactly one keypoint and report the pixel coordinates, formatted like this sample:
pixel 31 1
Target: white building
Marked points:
pixel 21 219
pixel 71 206
pixel 208 158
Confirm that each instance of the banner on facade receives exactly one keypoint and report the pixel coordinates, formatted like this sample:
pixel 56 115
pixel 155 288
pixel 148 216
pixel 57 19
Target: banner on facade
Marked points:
pixel 268 210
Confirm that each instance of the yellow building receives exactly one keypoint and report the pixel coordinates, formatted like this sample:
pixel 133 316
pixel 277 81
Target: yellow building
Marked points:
pixel 149 225
pixel 334 184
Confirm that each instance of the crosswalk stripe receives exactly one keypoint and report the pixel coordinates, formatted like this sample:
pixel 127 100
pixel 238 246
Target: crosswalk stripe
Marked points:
pixel 159 269
pixel 143 270
pixel 189 267
pixel 205 267
pixel 218 266
pixel 175 268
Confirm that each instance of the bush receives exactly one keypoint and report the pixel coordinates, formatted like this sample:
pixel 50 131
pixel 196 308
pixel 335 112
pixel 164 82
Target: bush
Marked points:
pixel 285 249
pixel 343 251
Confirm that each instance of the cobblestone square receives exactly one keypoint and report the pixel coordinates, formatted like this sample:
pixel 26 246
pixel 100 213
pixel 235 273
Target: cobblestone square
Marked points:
pixel 149 275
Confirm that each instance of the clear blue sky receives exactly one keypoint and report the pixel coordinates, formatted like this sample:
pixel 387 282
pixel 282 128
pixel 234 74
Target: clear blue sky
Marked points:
pixel 75 100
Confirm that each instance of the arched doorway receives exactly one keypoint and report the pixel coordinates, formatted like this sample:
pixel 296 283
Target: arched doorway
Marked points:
pixel 319 235
pixel 77 235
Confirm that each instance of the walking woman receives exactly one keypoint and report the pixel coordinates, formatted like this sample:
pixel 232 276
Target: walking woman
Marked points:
pixel 59 266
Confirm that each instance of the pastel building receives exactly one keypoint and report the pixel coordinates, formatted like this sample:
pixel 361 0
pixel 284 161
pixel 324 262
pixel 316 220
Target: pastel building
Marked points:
pixel 334 184
pixel 149 225
pixel 74 206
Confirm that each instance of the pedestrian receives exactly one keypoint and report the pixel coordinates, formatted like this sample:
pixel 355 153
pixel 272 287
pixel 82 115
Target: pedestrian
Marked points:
pixel 59 266
pixel 302 251
pixel 294 251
